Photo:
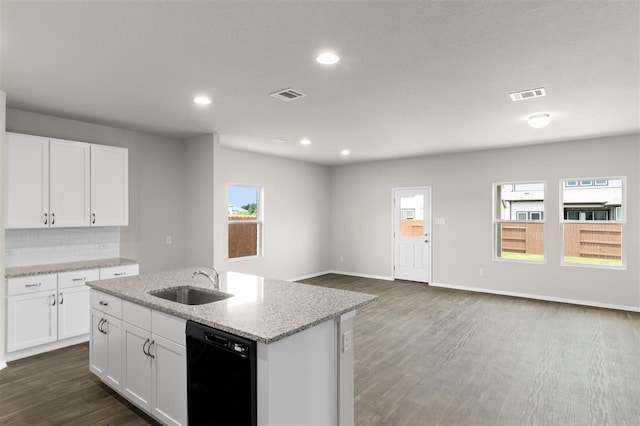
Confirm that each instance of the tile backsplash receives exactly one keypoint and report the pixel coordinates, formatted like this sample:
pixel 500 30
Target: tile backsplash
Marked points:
pixel 24 247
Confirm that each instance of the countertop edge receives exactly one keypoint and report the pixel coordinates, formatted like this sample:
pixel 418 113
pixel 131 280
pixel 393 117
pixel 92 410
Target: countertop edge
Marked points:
pixel 57 268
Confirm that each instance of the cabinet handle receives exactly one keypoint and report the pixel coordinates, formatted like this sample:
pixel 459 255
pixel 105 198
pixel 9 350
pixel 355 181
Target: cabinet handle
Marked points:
pixel 102 322
pixel 46 219
pixel 103 303
pixel 152 356
pixel 53 299
pixel 119 274
pixel 79 279
pixel 53 218
pixel 61 299
pixel 33 285
pixel 93 218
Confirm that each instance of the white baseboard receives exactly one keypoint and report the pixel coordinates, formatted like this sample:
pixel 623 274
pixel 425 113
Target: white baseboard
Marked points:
pixel 3 365
pixel 353 274
pixel 539 297
pixel 306 277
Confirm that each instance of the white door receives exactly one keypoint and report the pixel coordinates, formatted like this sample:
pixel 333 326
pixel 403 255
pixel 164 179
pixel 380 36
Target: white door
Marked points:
pixel 109 186
pixel 27 181
pixel 32 320
pixel 412 234
pixel 69 201
pixel 136 381
pixel 73 311
pixel 169 381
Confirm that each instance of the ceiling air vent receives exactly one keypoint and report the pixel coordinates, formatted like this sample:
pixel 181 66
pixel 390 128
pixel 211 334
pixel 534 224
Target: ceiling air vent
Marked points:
pixel 287 94
pixel 527 94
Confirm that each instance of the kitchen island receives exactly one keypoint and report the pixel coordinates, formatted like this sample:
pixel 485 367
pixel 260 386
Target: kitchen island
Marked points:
pixel 304 342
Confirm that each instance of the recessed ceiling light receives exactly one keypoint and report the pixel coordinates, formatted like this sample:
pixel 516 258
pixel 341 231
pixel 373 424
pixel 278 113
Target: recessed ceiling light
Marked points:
pixel 202 100
pixel 345 152
pixel 328 58
pixel 538 121
pixel 305 142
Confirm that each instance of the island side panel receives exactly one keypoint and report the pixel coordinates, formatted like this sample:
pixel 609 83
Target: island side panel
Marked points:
pixel 345 369
pixel 297 378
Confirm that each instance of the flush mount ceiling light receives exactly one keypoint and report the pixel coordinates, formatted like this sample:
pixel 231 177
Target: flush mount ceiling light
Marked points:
pixel 305 142
pixel 538 121
pixel 345 152
pixel 327 58
pixel 202 100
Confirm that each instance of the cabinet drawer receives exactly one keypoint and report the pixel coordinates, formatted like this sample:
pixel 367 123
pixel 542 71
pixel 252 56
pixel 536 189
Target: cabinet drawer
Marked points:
pixel 137 315
pixel 76 278
pixel 118 271
pixel 169 327
pixel 106 303
pixel 31 284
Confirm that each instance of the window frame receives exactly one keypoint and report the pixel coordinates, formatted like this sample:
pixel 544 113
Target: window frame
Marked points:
pixel 259 221
pixel 498 222
pixel 619 218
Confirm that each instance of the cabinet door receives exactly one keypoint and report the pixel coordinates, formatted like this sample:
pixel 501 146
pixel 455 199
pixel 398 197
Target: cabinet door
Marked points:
pixel 109 186
pixel 27 181
pixel 169 385
pixel 136 383
pixel 73 311
pixel 98 345
pixel 69 183
pixel 105 348
pixel 31 320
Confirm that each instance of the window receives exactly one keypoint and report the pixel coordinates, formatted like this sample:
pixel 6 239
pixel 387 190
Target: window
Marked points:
pixel 518 221
pixel 244 214
pixel 592 222
pixel 407 213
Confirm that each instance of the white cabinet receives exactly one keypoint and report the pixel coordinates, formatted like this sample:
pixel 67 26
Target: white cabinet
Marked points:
pixel 31 311
pixel 27 181
pixel 119 271
pixel 73 302
pixel 58 183
pixel 105 342
pixel 69 178
pixel 155 366
pixel 109 186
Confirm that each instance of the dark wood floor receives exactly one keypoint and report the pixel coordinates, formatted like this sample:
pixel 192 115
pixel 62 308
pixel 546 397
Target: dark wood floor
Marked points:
pixel 423 356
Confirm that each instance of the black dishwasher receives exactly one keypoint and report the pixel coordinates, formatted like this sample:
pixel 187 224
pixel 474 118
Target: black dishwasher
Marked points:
pixel 221 377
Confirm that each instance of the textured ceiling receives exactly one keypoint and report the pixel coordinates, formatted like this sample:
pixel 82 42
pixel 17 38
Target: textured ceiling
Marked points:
pixel 414 78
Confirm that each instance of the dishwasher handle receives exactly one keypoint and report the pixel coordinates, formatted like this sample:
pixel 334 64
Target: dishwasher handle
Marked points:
pixel 216 339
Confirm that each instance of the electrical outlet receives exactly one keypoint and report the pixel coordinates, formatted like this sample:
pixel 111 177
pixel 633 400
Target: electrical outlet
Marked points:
pixel 481 272
pixel 341 258
pixel 346 341
pixel 169 239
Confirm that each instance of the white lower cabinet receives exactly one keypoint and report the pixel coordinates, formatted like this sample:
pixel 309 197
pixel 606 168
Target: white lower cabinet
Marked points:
pixel 32 311
pixel 153 362
pixel 105 342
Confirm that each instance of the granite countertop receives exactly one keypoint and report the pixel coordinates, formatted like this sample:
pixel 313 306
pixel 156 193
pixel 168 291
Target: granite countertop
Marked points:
pixel 261 309
pixel 55 268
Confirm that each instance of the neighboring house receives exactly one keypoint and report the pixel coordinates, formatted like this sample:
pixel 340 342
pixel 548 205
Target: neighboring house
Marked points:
pixel 588 199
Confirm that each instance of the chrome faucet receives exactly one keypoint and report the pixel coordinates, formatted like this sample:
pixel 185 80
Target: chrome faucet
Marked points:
pixel 215 279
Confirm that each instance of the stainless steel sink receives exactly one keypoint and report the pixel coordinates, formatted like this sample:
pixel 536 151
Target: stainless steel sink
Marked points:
pixel 190 295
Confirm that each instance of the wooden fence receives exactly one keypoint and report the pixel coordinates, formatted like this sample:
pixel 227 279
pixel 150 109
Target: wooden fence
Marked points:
pixel 243 237
pixel 601 241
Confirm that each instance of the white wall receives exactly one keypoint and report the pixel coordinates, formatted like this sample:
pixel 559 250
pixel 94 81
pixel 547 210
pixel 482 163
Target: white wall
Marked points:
pixel 296 213
pixel 156 184
pixel 462 195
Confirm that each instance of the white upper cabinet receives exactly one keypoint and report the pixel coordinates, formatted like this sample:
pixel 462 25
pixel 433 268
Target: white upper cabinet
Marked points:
pixel 69 180
pixel 109 186
pixel 27 180
pixel 58 183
